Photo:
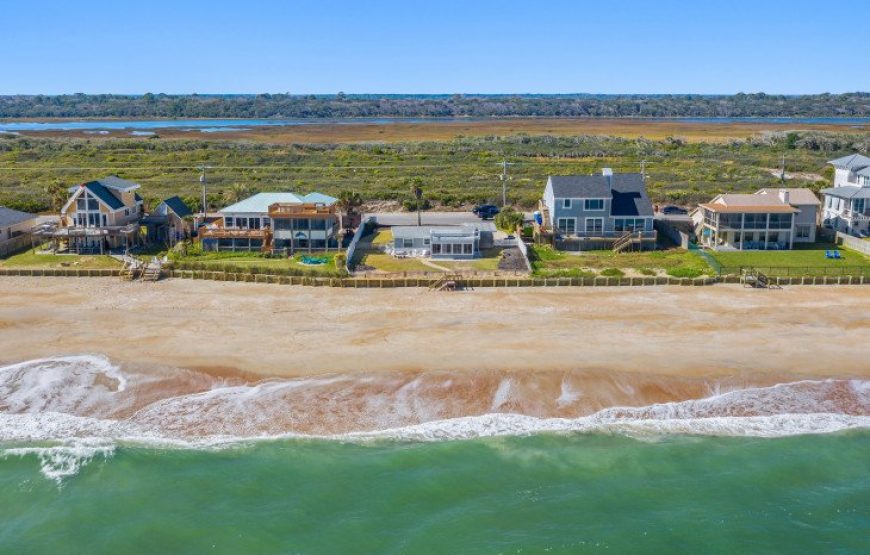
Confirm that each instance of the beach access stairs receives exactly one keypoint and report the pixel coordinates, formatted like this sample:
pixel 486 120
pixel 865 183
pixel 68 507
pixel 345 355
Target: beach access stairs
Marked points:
pixel 447 282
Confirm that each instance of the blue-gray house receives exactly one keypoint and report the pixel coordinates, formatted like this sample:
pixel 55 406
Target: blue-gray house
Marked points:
pixel 608 210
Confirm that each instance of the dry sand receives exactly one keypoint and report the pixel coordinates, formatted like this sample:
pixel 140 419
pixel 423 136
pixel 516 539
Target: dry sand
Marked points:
pixel 271 330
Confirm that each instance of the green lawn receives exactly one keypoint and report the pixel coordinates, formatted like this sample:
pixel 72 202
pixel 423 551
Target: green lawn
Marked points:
pixel 30 259
pixel 806 259
pixel 383 262
pixel 488 262
pixel 256 260
pixel 547 261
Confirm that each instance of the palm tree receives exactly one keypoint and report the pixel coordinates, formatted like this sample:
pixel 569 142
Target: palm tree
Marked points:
pixel 417 193
pixel 236 193
pixel 348 202
pixel 57 194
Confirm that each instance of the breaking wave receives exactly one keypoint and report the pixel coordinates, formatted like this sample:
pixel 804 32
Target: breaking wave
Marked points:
pixel 67 411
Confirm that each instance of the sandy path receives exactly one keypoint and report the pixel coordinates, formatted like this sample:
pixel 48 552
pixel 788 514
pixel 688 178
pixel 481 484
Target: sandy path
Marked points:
pixel 289 331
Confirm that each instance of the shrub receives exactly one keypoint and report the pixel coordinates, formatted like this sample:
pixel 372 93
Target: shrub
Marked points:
pixel 647 271
pixel 612 272
pixel 685 272
pixel 508 219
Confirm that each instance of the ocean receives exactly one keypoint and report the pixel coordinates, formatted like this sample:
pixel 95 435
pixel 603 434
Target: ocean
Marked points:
pixel 781 469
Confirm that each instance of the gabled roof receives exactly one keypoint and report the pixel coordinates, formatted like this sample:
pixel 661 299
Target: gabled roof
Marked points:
pixel 104 194
pixel 848 191
pixel 259 203
pixel 628 191
pixel 114 183
pixel 796 195
pixel 852 162
pixel 178 206
pixel 10 217
pixel 865 172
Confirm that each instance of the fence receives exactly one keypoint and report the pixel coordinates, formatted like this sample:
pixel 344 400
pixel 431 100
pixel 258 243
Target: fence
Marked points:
pixel 799 271
pixel 854 243
pixel 15 245
pixel 351 249
pixel 524 249
pixel 522 280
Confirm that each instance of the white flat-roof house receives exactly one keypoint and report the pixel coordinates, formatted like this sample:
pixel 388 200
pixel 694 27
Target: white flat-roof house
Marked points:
pixel 276 221
pixel 846 205
pixel 440 242
pixel 769 219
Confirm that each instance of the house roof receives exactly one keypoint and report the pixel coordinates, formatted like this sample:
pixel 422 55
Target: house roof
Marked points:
pixel 796 195
pixel 260 202
pixel 10 217
pixel 749 209
pixel 112 182
pixel 426 231
pixel 104 194
pixel 751 204
pixel 864 172
pixel 178 206
pixel 628 191
pixel 851 162
pixel 847 191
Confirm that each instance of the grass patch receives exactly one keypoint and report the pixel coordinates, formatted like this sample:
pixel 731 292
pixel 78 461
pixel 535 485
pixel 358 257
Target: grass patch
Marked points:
pixel 383 262
pixel 240 262
pixel 612 272
pixel 804 259
pixel 32 259
pixel 488 262
pixel 547 261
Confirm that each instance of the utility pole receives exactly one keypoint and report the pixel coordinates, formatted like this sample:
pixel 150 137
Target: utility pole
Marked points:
pixel 504 179
pixel 202 181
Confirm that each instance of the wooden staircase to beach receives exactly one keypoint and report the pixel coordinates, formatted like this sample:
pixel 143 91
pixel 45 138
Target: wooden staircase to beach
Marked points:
pixel 447 282
pixel 623 242
pixel 755 279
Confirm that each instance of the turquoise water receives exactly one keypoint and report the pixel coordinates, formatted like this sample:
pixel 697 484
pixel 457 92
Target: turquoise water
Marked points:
pixel 545 493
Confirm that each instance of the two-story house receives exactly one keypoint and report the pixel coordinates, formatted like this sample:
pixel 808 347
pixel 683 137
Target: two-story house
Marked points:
pixel 846 206
pixel 584 212
pixel 760 221
pixel 276 222
pixel 100 216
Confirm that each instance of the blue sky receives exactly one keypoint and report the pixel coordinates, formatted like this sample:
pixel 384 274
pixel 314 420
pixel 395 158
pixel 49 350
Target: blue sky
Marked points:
pixel 434 46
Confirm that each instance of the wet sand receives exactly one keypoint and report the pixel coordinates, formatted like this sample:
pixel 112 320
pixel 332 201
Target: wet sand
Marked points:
pixel 204 358
pixel 269 330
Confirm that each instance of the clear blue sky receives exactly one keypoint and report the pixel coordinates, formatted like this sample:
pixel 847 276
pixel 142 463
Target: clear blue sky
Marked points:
pixel 409 46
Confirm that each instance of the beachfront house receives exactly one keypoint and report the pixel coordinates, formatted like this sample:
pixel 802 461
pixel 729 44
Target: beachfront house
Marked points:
pixel 847 203
pixel 100 216
pixel 767 220
pixel 15 230
pixel 276 222
pixel 441 242
pixel 169 223
pixel 606 210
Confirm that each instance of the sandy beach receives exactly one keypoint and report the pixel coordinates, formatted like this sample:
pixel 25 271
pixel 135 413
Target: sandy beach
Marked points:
pixel 202 357
pixel 270 330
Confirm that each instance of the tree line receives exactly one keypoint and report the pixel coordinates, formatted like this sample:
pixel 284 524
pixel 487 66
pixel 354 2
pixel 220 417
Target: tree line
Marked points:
pixel 354 106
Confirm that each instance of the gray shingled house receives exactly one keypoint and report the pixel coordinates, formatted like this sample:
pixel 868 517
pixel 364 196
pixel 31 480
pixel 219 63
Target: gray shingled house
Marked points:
pixel 607 210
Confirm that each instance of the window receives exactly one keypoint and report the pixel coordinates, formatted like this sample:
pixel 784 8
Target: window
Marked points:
pixel 567 225
pixel 228 222
pixel 126 211
pixel 858 205
pixel 467 248
pixel 628 224
pixel 802 232
pixel 566 203
pixel 436 248
pixel 780 221
pixel 755 221
pixel 593 204
pixel 408 244
pixel 594 225
pixel 427 241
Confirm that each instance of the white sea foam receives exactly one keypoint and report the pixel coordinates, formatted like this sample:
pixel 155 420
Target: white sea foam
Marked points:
pixel 42 401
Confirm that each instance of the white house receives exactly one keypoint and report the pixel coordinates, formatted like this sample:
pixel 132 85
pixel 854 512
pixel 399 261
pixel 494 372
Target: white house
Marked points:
pixel 846 206
pixel 14 229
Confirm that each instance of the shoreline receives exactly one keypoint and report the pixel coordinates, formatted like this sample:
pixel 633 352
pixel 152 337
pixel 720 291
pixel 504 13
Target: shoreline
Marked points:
pixel 264 331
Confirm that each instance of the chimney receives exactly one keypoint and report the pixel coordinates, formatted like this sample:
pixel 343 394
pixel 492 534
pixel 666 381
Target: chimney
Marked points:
pixel 608 175
pixel 783 196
